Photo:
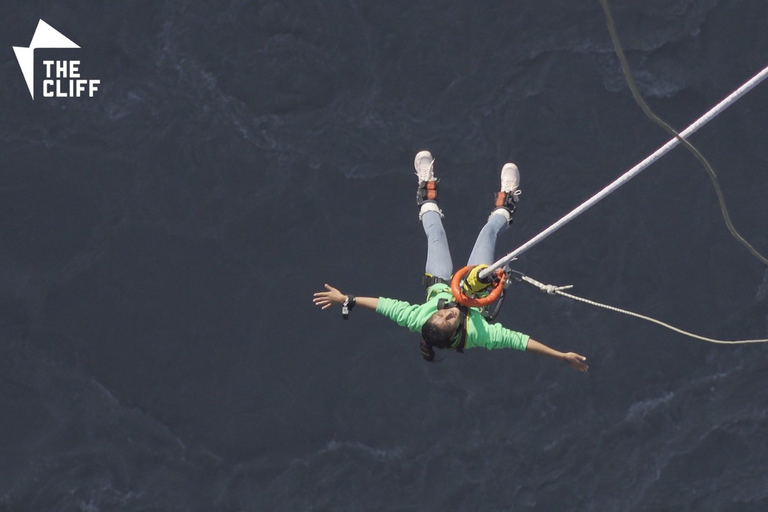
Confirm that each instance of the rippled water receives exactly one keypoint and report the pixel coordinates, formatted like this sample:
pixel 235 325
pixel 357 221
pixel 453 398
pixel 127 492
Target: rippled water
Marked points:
pixel 162 239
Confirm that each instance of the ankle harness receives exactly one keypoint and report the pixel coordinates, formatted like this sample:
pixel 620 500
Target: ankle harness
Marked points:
pixel 507 201
pixel 427 192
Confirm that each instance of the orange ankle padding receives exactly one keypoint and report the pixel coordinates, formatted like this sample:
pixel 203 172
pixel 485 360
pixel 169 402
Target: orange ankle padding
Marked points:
pixel 431 190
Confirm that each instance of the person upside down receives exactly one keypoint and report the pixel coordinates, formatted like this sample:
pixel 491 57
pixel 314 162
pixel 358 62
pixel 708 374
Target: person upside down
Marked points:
pixel 443 323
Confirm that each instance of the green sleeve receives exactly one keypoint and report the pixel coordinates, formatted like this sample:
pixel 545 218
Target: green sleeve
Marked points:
pixel 491 336
pixel 407 315
pixel 479 332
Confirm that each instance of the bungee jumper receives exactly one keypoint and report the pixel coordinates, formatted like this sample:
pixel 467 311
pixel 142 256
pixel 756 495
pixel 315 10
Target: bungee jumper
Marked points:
pixel 454 315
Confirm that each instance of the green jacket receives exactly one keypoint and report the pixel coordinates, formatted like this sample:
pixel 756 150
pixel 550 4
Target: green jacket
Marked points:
pixel 479 332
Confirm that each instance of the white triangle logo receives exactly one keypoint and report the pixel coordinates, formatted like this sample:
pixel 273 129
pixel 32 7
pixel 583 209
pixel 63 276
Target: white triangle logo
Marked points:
pixel 45 37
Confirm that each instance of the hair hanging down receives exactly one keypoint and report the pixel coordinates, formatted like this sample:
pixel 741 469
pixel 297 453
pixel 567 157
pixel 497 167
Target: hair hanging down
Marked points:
pixel 427 352
pixel 434 336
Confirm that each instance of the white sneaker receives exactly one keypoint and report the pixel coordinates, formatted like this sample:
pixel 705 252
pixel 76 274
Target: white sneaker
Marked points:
pixel 510 192
pixel 510 181
pixel 424 165
pixel 510 178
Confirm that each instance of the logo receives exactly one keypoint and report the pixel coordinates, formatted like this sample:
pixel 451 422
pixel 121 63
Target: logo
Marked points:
pixel 62 77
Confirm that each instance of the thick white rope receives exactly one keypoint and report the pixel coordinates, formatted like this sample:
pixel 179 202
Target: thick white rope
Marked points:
pixel 552 290
pixel 667 128
pixel 738 93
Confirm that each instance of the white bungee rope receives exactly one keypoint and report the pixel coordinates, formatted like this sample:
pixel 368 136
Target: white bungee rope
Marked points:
pixel 717 109
pixel 559 290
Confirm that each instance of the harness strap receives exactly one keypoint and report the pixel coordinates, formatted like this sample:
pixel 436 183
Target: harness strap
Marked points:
pixel 427 192
pixel 429 280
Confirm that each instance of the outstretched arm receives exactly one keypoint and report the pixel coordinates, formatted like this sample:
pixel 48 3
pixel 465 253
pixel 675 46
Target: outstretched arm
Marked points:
pixel 333 296
pixel 572 359
pixel 411 316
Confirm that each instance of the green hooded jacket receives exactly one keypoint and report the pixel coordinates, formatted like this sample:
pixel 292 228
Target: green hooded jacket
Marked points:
pixel 479 332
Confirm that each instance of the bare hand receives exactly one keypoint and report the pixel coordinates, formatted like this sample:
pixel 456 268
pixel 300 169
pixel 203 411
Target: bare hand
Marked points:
pixel 329 298
pixel 576 361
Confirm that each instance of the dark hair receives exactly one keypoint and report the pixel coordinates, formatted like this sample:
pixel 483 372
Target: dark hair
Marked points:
pixel 433 335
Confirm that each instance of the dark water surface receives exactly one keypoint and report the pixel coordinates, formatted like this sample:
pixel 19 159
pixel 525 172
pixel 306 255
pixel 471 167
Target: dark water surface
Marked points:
pixel 160 243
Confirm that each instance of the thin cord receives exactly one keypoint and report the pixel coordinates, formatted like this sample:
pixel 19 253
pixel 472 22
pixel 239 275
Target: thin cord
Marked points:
pixel 550 289
pixel 634 171
pixel 656 119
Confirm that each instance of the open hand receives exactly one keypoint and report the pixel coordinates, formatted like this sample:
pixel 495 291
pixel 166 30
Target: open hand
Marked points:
pixel 576 361
pixel 328 298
